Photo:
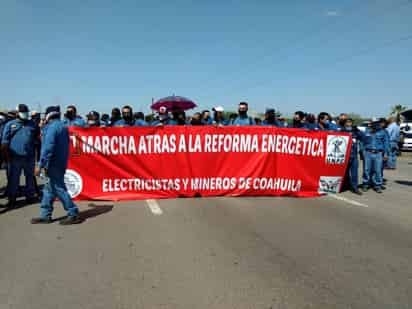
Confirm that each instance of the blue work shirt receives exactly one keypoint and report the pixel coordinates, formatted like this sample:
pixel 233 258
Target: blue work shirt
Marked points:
pixel 311 126
pixel 222 122
pixel 140 123
pixel 328 127
pixel 244 121
pixel 300 125
pixel 266 124
pixel 376 141
pixel 54 153
pixel 20 136
pixel 394 132
pixel 357 139
pixel 124 123
pixel 167 122
pixel 76 122
pixel 207 122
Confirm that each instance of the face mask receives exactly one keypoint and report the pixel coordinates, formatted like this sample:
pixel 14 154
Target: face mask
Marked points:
pixel 127 116
pixel 92 122
pixel 70 115
pixel 271 118
pixel 2 119
pixel 23 115
pixel 348 128
pixel 326 122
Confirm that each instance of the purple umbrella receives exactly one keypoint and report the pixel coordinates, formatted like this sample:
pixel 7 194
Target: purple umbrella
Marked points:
pixel 174 103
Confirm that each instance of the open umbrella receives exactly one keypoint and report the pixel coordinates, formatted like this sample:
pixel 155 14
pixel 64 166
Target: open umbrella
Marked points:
pixel 174 103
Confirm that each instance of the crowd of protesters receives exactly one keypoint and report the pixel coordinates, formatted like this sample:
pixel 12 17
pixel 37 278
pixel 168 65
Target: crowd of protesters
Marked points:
pixel 28 139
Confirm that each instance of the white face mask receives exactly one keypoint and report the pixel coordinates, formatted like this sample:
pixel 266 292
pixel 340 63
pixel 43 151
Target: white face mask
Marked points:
pixel 24 115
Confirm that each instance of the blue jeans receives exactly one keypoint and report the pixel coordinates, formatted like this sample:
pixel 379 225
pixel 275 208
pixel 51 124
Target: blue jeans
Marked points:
pixel 372 174
pixel 353 173
pixel 56 187
pixel 393 154
pixel 15 166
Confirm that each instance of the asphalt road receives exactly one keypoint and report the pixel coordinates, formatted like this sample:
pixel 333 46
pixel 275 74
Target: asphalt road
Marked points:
pixel 330 252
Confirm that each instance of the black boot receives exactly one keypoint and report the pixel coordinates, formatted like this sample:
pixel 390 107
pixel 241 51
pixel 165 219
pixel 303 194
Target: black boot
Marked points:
pixel 71 220
pixel 356 191
pixel 40 220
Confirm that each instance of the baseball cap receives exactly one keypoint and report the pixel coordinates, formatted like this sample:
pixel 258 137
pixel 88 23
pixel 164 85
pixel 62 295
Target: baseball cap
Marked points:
pixel 218 109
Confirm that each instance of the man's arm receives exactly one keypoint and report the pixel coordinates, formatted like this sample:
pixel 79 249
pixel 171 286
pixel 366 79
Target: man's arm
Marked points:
pixel 48 146
pixel 5 141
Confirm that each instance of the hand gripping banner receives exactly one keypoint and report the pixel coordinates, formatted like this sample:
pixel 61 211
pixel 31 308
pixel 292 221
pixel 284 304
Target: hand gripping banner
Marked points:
pixel 178 161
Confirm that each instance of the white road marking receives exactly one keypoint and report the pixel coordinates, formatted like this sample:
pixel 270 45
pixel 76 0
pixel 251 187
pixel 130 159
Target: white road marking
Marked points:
pixel 154 207
pixel 346 200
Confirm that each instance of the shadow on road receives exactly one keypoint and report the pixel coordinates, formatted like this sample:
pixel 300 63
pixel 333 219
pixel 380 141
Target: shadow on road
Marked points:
pixel 94 211
pixel 19 204
pixel 404 182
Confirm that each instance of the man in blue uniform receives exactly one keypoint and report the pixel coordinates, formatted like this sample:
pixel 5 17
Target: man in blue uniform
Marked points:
pixel 218 117
pixel 352 171
pixel 53 161
pixel 375 145
pixel 18 144
pixel 139 120
pixel 242 118
pixel 394 139
pixel 105 120
pixel 206 118
pixel 270 118
pixel 324 123
pixel 93 119
pixel 116 116
pixel 163 118
pixel 71 119
pixel 299 121
pixel 127 119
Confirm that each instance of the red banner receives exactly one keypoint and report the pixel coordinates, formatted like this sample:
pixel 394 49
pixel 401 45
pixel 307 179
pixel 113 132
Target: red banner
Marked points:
pixel 173 161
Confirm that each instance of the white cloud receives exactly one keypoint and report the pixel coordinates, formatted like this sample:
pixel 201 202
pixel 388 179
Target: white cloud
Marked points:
pixel 332 13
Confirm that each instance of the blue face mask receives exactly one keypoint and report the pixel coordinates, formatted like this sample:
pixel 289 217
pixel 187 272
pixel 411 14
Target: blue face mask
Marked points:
pixel 348 128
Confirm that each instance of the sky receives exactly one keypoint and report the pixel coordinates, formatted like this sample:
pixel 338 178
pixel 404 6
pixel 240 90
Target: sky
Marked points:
pixel 334 56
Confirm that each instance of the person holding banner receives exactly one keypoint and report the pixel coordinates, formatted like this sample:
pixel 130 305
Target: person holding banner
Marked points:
pixel 324 123
pixel 163 118
pixel 270 118
pixel 299 120
pixel 243 119
pixel 352 176
pixel 127 118
pixel 72 119
pixel 218 118
pixel 53 162
pixel 93 119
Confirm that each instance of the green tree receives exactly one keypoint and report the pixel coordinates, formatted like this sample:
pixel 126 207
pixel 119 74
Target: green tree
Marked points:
pixel 397 109
pixel 357 119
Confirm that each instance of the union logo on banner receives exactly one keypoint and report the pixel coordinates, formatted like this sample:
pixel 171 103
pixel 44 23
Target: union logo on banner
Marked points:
pixel 336 149
pixel 329 184
pixel 73 182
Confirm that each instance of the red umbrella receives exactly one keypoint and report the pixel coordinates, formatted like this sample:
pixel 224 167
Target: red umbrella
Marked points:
pixel 174 103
